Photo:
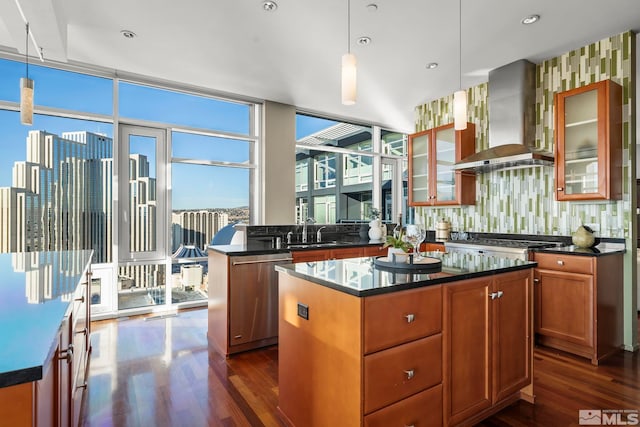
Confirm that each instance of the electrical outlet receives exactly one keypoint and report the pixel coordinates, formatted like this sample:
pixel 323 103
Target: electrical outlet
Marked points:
pixel 303 311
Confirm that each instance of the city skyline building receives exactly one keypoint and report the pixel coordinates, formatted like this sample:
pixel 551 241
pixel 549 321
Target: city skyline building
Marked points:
pixel 61 198
pixel 196 227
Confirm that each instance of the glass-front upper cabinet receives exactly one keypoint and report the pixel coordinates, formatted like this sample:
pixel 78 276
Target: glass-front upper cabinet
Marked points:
pixel 588 131
pixel 432 155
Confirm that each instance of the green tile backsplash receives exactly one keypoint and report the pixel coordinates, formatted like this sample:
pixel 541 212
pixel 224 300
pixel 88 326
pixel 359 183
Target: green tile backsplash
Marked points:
pixel 522 200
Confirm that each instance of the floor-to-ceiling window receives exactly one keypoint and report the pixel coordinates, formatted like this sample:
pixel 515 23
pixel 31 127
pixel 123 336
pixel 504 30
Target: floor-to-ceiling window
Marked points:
pixel 355 168
pixel 62 177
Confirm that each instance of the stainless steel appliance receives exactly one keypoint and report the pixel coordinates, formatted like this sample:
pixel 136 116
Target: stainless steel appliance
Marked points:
pixel 253 298
pixel 509 248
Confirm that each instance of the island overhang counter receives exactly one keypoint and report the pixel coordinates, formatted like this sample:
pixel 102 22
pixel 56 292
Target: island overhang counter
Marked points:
pixel 361 345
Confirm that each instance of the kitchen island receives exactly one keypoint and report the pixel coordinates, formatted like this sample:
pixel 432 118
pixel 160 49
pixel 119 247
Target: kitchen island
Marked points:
pixel 362 345
pixel 44 336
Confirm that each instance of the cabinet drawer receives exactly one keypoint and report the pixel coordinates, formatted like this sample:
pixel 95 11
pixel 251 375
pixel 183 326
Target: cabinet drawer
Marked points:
pixel 373 251
pixel 346 253
pixel 401 317
pixel 420 410
pixel 572 263
pixel 399 372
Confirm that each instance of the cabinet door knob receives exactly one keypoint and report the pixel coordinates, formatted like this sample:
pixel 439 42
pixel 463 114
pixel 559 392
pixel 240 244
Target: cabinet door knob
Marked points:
pixel 560 189
pixel 500 293
pixel 536 280
pixel 410 317
pixel 81 299
pixel 66 354
pixel 493 295
pixel 560 262
pixel 409 373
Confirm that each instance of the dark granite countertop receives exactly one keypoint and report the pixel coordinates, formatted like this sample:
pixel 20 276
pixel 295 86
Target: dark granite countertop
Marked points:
pixel 602 249
pixel 257 249
pixel 244 250
pixel 36 289
pixel 361 277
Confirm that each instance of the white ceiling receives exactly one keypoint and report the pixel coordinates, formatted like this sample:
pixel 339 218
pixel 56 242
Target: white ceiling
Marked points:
pixel 293 55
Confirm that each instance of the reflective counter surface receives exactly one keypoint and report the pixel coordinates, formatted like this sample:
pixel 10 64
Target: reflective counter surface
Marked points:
pixel 36 289
pixel 361 277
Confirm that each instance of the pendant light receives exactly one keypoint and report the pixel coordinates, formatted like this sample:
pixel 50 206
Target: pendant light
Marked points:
pixel 460 97
pixel 26 91
pixel 348 67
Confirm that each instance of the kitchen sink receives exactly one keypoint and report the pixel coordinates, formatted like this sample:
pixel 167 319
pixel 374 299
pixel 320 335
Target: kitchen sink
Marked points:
pixel 312 245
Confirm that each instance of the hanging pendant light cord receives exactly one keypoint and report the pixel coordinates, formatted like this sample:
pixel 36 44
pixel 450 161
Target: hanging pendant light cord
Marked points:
pixel 26 55
pixel 460 44
pixel 348 26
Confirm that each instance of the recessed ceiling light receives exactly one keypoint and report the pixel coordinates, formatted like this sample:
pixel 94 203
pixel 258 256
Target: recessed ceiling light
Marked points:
pixel 128 34
pixel 528 20
pixel 269 6
pixel 432 65
pixel 364 40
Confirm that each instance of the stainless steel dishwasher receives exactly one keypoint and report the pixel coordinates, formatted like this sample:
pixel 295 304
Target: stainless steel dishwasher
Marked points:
pixel 253 298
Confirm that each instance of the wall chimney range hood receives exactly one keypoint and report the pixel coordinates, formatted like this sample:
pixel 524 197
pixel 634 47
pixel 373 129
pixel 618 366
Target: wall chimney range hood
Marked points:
pixel 512 98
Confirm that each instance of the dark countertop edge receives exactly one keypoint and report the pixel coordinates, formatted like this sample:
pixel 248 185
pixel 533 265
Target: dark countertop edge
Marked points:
pixel 402 287
pixel 35 373
pixel 21 376
pixel 242 249
pixel 563 250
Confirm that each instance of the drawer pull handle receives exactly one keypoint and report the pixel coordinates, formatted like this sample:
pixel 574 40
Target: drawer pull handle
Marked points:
pixel 560 262
pixel 237 337
pixel 493 295
pixel 410 317
pixel 536 280
pixel 560 188
pixel 409 425
pixel 410 373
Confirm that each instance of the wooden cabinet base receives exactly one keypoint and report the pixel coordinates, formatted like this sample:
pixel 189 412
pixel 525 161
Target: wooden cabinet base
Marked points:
pixel 578 350
pixel 579 304
pixel 411 411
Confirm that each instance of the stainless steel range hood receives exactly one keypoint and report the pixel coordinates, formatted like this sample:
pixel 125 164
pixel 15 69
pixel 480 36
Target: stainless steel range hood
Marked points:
pixel 512 98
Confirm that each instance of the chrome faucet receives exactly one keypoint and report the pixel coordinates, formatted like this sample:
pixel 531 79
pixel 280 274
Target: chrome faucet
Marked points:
pixel 304 228
pixel 319 234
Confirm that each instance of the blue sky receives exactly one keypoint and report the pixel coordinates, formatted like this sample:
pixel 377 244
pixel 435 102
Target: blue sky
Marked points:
pixel 193 187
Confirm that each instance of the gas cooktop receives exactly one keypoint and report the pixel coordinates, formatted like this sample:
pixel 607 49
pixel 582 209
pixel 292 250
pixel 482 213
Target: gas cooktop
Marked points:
pixel 505 243
pixel 504 247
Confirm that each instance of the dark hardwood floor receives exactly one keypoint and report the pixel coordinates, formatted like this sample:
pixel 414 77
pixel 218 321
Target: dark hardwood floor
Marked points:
pixel 158 372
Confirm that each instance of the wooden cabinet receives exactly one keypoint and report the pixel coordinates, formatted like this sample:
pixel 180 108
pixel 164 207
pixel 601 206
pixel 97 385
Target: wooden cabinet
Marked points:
pixel 432 179
pixel 375 250
pixel 487 356
pixel 369 360
pixel 578 302
pixel 433 247
pixel 588 150
pixel 311 255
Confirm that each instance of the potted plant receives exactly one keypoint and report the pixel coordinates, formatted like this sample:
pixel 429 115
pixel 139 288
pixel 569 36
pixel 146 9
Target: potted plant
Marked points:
pixel 398 246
